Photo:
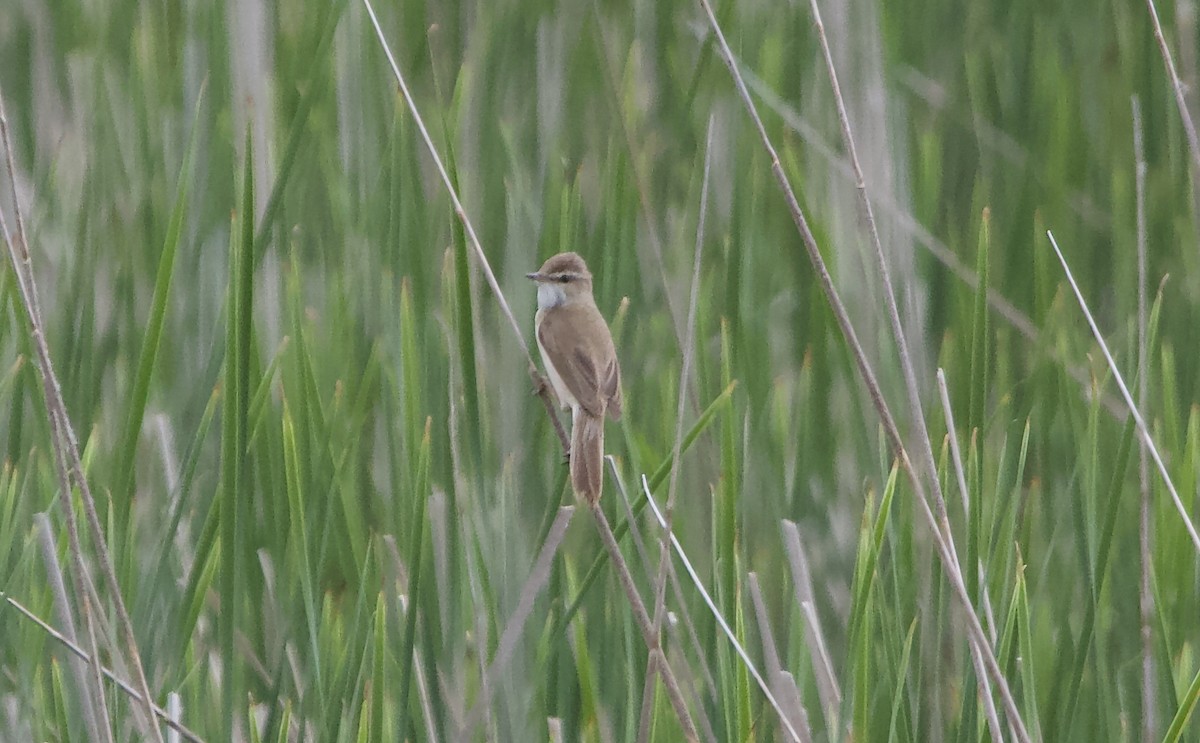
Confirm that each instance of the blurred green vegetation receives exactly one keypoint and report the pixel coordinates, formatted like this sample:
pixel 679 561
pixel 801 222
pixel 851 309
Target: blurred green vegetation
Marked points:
pixel 309 424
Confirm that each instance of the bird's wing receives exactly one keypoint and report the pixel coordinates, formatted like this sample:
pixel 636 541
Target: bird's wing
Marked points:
pixel 612 387
pixel 572 360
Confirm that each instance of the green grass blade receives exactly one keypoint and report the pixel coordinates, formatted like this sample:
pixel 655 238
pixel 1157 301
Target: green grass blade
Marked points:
pixel 1187 705
pixel 300 126
pixel 235 413
pixel 979 335
pixel 726 552
pixel 378 670
pixel 300 543
pixel 980 345
pixel 154 330
pixel 898 695
pixel 416 557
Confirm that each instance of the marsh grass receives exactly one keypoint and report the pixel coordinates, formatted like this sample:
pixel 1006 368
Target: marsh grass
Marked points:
pixel 335 510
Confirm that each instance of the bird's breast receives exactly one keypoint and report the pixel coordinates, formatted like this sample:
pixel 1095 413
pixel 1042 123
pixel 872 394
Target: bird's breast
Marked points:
pixel 565 398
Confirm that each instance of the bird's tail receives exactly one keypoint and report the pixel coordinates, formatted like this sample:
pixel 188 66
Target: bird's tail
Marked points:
pixel 587 455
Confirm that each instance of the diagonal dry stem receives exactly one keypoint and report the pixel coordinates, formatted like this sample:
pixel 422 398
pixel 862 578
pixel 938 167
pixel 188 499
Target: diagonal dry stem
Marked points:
pixel 937 528
pixel 915 410
pixel 1189 127
pixel 91 695
pixel 541 388
pixel 674 693
pixel 941 252
pixel 610 542
pixel 676 586
pixel 1143 430
pixel 985 694
pixel 121 683
pixel 68 464
pixel 712 606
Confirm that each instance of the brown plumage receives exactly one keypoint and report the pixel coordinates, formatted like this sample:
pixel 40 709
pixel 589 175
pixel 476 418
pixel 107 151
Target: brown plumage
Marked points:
pixel 577 350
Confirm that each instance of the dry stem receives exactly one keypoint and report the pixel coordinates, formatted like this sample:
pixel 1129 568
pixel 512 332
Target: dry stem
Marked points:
pixel 1145 594
pixel 643 622
pixel 121 683
pixel 937 528
pixel 68 464
pixel 639 609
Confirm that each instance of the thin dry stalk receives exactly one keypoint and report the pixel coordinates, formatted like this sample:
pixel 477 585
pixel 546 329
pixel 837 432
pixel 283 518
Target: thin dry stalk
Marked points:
pixel 793 708
pixel 952 434
pixel 646 717
pixel 121 683
pixel 910 381
pixel 690 685
pixel 664 554
pixel 539 575
pixel 944 552
pixel 91 696
pixel 685 616
pixel 985 692
pixel 765 635
pixel 828 688
pixel 915 410
pixel 1147 440
pixel 1189 127
pixel 66 447
pixel 913 228
pixel 674 694
pixel 639 544
pixel 1145 596
pixel 540 386
pixel 94 667
pixel 712 607
pixel 85 591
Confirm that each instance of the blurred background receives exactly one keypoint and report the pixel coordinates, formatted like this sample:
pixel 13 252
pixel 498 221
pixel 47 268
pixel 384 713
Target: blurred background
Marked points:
pixel 308 425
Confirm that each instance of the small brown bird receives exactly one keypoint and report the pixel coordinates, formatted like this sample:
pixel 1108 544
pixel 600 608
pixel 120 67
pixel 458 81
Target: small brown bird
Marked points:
pixel 577 350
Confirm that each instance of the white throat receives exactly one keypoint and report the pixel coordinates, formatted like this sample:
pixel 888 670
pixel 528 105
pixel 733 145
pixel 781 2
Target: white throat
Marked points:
pixel 550 295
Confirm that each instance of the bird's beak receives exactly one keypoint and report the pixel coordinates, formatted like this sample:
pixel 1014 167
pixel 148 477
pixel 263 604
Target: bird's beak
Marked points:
pixel 535 276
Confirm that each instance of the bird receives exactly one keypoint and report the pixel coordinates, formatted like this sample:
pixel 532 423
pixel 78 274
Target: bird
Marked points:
pixel 578 352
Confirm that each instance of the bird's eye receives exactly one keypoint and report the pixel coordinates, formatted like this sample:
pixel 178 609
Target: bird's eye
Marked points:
pixel 563 278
